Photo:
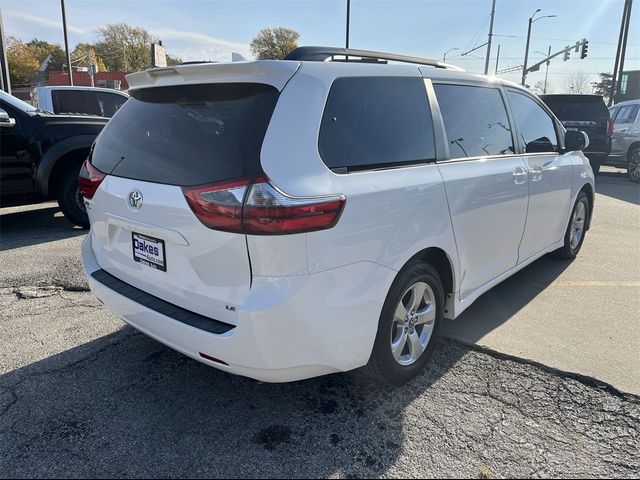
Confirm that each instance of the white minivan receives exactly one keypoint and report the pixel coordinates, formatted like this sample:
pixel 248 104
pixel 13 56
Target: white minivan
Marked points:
pixel 288 219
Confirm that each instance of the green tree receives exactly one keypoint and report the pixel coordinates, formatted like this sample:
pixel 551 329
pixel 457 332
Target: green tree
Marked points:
pixel 23 63
pixel 274 43
pixel 41 49
pixel 603 87
pixel 123 47
pixel 84 54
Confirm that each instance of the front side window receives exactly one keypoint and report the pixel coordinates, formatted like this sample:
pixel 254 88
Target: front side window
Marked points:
pixel 627 114
pixel 475 121
pixel 536 128
pixel 373 122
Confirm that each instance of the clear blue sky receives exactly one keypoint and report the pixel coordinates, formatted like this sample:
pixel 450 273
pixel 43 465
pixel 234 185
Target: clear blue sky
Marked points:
pixel 212 29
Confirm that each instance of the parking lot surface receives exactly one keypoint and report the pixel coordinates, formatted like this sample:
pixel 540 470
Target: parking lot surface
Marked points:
pixel 82 395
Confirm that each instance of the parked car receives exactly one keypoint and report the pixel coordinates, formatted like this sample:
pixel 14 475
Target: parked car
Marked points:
pixel 41 155
pixel 288 219
pixel 101 102
pixel 587 113
pixel 625 142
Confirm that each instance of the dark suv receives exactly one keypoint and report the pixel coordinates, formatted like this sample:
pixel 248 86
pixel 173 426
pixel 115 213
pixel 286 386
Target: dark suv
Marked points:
pixel 41 156
pixel 587 113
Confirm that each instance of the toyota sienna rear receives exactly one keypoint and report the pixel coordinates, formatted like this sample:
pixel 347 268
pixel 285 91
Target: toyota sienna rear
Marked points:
pixel 288 219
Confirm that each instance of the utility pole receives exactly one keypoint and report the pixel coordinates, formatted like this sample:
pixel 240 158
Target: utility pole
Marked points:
pixel 5 81
pixel 497 60
pixel 618 68
pixel 486 61
pixel 546 75
pixel 66 44
pixel 346 43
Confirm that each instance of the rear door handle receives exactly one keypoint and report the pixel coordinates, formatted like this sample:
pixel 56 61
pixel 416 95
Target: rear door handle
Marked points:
pixel 519 175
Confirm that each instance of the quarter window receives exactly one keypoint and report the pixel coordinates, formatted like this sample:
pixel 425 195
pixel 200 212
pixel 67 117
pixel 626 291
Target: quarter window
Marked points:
pixel 535 126
pixel 376 122
pixel 475 120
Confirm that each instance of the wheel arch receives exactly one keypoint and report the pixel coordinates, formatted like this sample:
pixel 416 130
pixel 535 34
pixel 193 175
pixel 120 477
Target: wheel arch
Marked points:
pixel 57 159
pixel 633 146
pixel 588 189
pixel 442 262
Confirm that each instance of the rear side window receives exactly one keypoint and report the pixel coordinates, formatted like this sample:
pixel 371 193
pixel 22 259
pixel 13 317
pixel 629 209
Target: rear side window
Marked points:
pixel 576 107
pixel 374 122
pixel 188 135
pixel 535 126
pixel 475 121
pixel 79 101
pixel 109 103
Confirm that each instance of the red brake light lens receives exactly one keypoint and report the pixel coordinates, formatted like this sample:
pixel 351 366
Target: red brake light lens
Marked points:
pixel 268 211
pixel 89 179
pixel 256 207
pixel 218 206
pixel 609 126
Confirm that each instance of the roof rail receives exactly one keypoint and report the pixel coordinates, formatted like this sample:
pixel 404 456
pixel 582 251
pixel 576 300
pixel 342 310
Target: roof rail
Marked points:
pixel 321 54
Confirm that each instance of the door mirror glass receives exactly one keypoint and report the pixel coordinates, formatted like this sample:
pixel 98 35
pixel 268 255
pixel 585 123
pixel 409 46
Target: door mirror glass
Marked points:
pixel 575 140
pixel 6 120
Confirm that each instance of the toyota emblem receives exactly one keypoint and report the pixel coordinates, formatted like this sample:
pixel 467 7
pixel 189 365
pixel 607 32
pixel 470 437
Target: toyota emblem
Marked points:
pixel 135 199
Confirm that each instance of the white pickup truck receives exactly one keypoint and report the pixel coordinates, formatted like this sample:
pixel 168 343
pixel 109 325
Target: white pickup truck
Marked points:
pixel 101 102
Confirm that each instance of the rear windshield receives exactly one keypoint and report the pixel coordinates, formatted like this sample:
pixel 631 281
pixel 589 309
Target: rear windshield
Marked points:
pixel 576 107
pixel 187 135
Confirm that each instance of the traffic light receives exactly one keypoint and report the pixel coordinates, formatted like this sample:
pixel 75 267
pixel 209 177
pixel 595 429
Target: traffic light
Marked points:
pixel 585 49
pixel 567 53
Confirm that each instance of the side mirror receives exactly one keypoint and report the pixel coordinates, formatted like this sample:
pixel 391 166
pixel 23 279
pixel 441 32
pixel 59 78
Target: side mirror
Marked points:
pixel 575 140
pixel 5 120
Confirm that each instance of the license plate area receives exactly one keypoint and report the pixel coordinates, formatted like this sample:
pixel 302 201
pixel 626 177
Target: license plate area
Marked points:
pixel 149 251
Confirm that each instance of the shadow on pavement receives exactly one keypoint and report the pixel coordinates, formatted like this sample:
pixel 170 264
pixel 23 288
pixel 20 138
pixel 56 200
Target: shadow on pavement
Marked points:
pixel 35 226
pixel 502 302
pixel 125 406
pixel 617 185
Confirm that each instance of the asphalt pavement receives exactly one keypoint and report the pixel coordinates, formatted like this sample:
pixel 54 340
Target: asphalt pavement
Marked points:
pixel 83 395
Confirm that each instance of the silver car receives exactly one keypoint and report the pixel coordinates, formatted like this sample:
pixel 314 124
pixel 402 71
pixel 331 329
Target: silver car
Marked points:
pixel 625 141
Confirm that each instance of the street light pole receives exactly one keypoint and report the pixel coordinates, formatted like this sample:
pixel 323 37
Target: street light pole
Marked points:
pixel 546 74
pixel 444 57
pixel 526 50
pixel 66 44
pixel 486 61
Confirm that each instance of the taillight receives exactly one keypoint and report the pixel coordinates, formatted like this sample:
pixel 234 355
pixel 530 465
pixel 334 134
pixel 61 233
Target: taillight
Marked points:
pixel 609 126
pixel 256 207
pixel 89 179
pixel 218 206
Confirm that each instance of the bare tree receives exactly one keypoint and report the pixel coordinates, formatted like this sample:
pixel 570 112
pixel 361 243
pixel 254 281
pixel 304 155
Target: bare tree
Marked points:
pixel 538 88
pixel 577 82
pixel 274 43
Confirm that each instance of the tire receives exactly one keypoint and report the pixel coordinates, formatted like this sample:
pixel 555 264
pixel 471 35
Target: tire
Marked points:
pixel 421 332
pixel 633 166
pixel 579 217
pixel 69 199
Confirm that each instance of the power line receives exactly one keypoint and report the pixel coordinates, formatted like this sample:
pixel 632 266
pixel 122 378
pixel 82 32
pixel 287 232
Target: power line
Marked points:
pixel 552 39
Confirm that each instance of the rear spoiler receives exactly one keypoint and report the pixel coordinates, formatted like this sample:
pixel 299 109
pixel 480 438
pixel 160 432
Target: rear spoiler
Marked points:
pixel 271 72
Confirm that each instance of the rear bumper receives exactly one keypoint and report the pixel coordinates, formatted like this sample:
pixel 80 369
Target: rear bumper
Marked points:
pixel 289 328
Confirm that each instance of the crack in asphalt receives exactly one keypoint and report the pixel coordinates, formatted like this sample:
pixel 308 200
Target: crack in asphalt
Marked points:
pixel 483 410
